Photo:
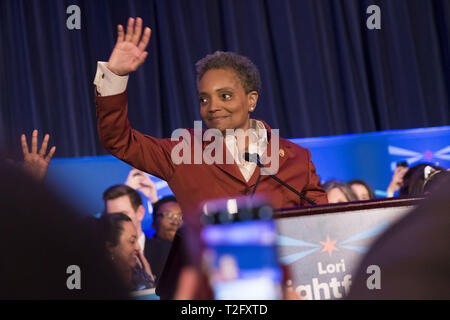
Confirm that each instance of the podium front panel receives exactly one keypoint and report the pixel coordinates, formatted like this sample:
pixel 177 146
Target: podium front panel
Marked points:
pixel 323 249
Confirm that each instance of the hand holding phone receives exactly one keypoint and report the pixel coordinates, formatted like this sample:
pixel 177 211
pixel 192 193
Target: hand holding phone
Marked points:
pixel 240 254
pixel 397 178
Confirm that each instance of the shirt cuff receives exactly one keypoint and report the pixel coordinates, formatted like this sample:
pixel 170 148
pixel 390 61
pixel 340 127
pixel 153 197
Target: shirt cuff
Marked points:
pixel 107 82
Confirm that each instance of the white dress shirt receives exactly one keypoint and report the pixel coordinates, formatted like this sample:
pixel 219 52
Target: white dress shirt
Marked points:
pixel 107 82
pixel 257 144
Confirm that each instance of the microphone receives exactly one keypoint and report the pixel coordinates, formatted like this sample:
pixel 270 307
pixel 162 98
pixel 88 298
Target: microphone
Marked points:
pixel 254 157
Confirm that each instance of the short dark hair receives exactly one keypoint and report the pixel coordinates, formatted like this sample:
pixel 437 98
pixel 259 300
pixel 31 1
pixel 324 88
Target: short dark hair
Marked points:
pixel 246 70
pixel 435 181
pixel 363 183
pixel 121 190
pixel 157 205
pixel 413 180
pixel 112 227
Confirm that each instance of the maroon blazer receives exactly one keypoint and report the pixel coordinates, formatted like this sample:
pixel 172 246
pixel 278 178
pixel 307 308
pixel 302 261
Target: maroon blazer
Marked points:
pixel 194 183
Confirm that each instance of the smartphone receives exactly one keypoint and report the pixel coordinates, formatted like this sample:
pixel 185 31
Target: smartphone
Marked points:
pixel 240 254
pixel 402 164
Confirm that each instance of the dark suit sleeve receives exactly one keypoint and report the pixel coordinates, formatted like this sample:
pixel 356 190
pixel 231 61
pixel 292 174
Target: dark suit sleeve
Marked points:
pixel 312 189
pixel 141 151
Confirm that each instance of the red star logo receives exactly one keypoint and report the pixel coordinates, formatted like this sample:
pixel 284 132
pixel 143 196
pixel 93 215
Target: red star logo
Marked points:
pixel 329 246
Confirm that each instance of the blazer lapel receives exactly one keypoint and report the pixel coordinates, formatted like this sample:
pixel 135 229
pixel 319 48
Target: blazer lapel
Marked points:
pixel 231 169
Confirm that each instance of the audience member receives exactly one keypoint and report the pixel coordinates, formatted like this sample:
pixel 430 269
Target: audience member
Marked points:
pixel 48 252
pixel 361 189
pixel 124 199
pixel 396 181
pixel 409 181
pixel 167 217
pixel 414 179
pixel 120 238
pixel 434 180
pixel 339 192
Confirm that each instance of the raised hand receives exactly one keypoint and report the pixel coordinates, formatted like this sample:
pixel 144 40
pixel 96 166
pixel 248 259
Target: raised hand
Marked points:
pixel 129 52
pixel 36 164
pixel 138 180
pixel 397 179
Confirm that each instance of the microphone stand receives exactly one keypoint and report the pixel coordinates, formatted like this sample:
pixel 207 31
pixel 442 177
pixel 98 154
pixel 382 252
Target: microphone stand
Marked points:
pixel 260 165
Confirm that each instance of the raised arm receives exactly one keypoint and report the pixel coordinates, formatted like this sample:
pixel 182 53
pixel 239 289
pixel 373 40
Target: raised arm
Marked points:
pixel 397 180
pixel 34 162
pixel 141 151
pixel 138 180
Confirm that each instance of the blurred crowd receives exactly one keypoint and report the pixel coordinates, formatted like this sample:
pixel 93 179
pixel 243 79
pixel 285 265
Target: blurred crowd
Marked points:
pixel 125 254
pixel 417 181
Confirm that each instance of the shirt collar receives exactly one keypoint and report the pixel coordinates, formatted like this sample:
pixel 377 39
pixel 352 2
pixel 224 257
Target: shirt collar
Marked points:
pixel 261 133
pixel 258 142
pixel 259 130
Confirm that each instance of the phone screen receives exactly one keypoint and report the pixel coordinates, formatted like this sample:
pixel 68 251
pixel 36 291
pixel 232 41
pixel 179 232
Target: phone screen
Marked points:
pixel 242 260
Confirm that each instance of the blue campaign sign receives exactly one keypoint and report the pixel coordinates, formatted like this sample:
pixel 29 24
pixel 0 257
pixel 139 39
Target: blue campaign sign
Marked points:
pixel 368 156
pixel 323 251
